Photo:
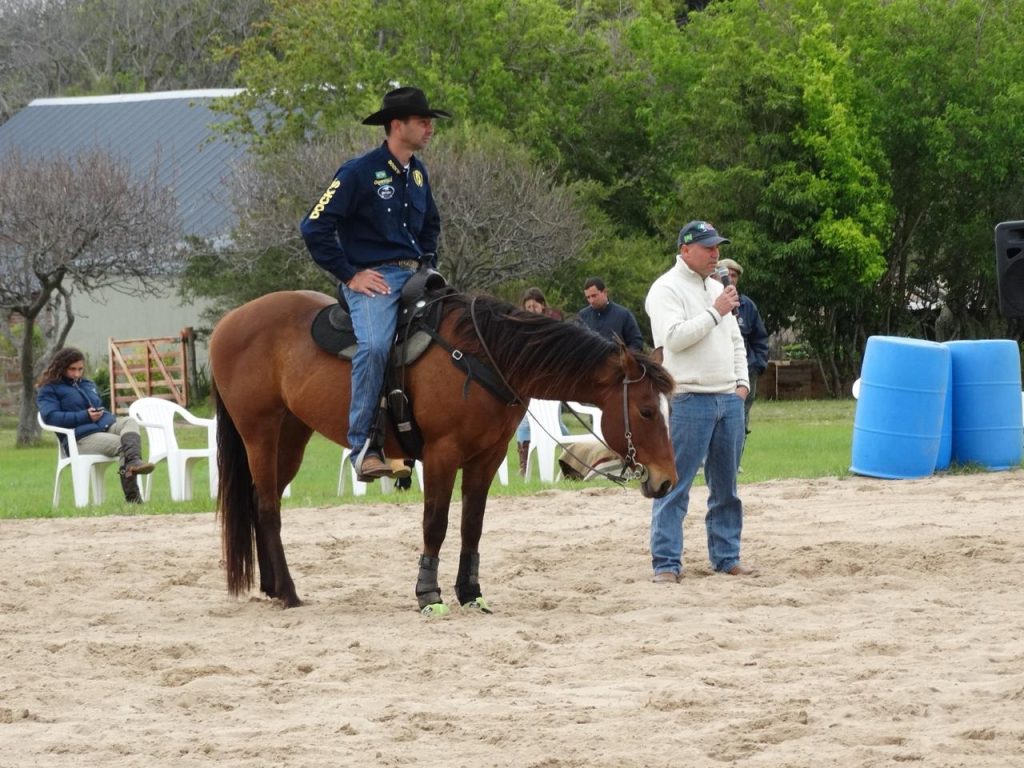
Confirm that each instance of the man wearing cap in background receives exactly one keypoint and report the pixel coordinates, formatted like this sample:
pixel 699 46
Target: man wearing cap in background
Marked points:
pixel 373 227
pixel 691 318
pixel 755 339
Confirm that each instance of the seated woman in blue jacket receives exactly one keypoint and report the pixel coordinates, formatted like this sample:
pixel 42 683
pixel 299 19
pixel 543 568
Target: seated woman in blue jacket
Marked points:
pixel 66 398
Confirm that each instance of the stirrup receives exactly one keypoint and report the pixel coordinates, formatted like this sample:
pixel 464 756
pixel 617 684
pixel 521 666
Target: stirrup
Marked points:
pixel 378 468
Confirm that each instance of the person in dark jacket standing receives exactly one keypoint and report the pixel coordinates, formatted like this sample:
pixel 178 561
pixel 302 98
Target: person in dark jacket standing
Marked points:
pixel 755 338
pixel 373 227
pixel 608 318
pixel 66 398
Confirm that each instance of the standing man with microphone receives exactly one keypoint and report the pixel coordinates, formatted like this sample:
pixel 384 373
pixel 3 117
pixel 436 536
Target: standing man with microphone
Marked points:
pixel 691 318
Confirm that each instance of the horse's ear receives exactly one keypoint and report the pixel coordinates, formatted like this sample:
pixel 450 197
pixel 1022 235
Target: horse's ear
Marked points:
pixel 630 367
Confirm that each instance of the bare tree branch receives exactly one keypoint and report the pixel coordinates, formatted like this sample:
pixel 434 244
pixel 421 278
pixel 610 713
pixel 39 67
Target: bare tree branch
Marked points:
pixel 82 224
pixel 52 47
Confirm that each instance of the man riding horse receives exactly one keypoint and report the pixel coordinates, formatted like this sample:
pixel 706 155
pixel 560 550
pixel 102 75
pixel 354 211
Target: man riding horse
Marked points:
pixel 373 227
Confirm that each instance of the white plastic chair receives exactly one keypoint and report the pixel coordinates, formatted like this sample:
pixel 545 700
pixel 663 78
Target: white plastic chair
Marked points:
pixel 587 410
pixel 546 434
pixel 157 416
pixel 87 469
pixel 386 483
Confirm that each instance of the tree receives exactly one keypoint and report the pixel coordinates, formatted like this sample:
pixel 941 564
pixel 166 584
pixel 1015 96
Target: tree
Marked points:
pixel 70 225
pixel 69 47
pixel 947 113
pixel 504 217
pixel 315 67
pixel 759 122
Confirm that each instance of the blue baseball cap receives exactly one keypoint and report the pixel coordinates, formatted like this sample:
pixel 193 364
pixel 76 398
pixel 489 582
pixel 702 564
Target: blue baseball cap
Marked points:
pixel 702 233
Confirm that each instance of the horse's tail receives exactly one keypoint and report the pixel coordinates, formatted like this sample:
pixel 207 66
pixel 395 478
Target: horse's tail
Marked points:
pixel 236 501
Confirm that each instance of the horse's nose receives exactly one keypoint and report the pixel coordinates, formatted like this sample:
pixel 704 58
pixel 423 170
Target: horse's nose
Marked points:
pixel 656 493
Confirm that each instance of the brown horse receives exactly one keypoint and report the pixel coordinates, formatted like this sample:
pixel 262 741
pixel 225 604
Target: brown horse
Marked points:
pixel 274 387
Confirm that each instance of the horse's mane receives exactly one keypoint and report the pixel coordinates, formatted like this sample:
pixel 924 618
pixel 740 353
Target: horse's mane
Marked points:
pixel 527 346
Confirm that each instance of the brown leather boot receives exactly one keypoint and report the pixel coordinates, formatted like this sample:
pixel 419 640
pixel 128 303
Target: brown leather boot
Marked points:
pixel 372 467
pixel 130 486
pixel 131 447
pixel 524 451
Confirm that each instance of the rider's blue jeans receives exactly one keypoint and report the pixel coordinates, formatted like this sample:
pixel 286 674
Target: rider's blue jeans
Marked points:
pixel 709 428
pixel 374 319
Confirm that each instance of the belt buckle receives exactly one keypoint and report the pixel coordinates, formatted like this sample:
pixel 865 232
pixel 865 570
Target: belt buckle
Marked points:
pixel 408 264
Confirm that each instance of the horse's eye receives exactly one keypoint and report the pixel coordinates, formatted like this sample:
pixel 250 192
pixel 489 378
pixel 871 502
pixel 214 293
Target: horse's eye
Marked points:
pixel 647 413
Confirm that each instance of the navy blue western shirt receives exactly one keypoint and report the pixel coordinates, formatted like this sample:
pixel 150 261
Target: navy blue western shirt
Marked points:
pixel 373 212
pixel 614 320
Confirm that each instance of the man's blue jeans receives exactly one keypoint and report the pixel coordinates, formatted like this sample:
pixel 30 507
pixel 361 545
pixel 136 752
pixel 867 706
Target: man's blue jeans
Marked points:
pixel 708 428
pixel 374 319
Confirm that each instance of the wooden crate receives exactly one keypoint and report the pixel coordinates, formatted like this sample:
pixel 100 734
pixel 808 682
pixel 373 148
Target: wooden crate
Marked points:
pixel 792 380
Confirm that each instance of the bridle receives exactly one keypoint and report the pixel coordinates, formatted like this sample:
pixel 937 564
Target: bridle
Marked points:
pixel 631 468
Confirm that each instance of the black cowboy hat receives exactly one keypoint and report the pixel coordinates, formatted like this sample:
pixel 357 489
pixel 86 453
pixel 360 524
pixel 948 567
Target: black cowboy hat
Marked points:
pixel 403 102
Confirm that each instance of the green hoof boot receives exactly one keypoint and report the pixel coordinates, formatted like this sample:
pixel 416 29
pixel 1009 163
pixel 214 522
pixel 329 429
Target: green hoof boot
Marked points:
pixel 435 610
pixel 477 605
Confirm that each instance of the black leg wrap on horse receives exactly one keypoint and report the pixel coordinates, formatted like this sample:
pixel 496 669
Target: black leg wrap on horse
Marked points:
pixel 428 591
pixel 467 585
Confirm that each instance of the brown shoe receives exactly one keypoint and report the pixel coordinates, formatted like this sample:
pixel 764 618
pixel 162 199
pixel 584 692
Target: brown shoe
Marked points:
pixel 742 570
pixel 139 467
pixel 372 467
pixel 667 577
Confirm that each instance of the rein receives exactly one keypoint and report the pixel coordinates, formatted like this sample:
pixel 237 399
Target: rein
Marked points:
pixel 631 468
pixel 487 351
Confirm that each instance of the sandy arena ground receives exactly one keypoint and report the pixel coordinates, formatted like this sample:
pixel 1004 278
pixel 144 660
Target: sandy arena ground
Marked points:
pixel 887 628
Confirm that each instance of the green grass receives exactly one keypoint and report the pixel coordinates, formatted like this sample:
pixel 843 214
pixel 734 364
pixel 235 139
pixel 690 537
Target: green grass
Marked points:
pixel 800 438
pixel 789 439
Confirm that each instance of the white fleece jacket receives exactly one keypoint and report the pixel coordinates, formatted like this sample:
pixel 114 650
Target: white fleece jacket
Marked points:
pixel 703 350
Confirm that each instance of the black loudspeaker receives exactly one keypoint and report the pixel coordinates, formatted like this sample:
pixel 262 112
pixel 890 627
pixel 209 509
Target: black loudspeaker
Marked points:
pixel 1010 267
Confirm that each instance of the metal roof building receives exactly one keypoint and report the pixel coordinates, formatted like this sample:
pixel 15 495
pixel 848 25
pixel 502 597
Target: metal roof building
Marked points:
pixel 174 126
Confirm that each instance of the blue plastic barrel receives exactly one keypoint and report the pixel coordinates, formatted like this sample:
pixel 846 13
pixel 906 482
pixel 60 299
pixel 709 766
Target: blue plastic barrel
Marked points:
pixel 986 403
pixel 897 425
pixel 945 457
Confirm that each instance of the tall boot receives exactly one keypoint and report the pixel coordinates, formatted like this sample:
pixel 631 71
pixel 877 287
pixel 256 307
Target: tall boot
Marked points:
pixel 130 486
pixel 524 451
pixel 131 447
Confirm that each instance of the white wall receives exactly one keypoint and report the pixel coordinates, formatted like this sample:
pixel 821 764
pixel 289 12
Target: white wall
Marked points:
pixel 131 317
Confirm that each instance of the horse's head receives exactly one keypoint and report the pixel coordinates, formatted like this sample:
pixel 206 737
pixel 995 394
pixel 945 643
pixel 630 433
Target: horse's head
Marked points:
pixel 547 358
pixel 634 397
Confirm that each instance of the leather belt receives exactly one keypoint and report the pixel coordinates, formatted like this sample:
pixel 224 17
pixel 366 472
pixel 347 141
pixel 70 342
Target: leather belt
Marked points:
pixel 412 264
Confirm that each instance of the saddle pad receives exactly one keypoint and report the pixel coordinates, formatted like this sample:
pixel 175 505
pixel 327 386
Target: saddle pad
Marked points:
pixel 332 332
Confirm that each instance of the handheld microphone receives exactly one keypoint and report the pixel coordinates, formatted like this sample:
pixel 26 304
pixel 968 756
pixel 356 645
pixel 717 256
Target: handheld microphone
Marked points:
pixel 723 277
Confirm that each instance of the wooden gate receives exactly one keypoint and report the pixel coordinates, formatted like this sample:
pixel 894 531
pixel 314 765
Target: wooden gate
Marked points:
pixel 157 367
